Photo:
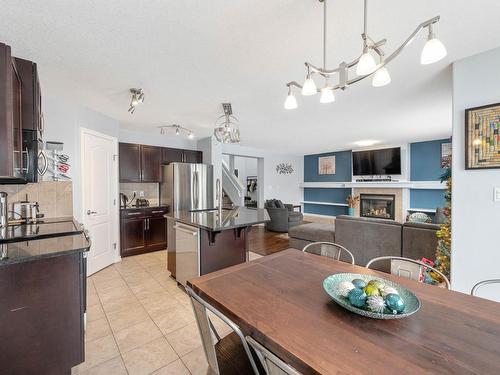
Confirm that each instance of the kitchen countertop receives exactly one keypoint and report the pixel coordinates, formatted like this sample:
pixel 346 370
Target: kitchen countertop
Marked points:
pixel 25 251
pixel 45 228
pixel 237 217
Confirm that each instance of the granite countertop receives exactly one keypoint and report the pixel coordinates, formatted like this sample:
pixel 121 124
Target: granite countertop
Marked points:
pixel 45 228
pixel 231 218
pixel 19 252
pixel 142 207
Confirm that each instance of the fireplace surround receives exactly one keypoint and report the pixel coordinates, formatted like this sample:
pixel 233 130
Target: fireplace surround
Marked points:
pixel 381 206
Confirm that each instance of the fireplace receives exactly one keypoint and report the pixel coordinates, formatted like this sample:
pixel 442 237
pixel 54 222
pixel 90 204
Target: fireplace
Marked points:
pixel 377 205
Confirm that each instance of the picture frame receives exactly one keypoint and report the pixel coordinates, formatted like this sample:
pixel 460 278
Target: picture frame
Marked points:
pixel 326 165
pixel 482 137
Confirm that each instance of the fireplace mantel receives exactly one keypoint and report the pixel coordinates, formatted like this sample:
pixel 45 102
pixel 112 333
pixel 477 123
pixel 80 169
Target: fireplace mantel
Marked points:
pixel 379 184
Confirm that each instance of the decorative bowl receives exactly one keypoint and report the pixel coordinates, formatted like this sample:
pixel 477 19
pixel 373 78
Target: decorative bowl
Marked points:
pixel 412 304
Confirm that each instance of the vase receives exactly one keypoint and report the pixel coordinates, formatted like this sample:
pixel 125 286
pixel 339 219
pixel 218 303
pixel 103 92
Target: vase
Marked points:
pixel 350 211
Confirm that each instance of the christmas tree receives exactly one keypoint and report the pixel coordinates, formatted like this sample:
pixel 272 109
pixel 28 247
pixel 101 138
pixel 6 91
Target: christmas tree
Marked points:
pixel 443 250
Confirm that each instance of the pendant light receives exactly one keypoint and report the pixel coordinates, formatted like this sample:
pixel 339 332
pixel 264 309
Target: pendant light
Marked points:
pixel 226 126
pixel 433 50
pixel 365 65
pixel 290 101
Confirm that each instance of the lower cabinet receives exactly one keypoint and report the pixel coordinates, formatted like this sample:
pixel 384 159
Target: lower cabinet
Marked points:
pixel 143 230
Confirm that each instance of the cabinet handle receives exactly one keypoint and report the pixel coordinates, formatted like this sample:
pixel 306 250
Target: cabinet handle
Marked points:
pixel 133 213
pixel 157 212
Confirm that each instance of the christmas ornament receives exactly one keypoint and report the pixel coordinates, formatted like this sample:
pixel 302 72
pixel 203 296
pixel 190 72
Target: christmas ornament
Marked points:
pixel 386 289
pixel 375 304
pixel 359 283
pixel 376 283
pixel 371 290
pixel 357 297
pixel 395 303
pixel 344 288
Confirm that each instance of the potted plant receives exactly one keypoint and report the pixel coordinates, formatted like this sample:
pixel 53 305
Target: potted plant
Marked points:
pixel 352 201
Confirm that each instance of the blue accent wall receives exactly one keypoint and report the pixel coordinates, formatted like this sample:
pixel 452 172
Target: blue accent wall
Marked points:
pixel 426 198
pixel 343 168
pixel 425 160
pixel 329 195
pixel 325 210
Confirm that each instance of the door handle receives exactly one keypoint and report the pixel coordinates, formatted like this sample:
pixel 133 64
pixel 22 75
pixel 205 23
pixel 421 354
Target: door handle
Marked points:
pixel 89 212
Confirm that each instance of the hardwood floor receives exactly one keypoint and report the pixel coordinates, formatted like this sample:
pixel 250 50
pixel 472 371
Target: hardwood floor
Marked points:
pixel 264 242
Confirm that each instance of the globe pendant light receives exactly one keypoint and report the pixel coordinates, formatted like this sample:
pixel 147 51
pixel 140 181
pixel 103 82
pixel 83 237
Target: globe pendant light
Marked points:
pixel 290 101
pixel 433 50
pixel 226 126
pixel 327 95
pixel 366 64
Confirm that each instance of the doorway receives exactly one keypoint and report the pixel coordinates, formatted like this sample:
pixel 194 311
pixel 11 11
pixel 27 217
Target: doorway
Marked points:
pixel 99 195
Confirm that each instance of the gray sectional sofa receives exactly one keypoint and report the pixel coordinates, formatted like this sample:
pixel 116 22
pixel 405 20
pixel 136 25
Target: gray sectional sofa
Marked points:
pixel 368 238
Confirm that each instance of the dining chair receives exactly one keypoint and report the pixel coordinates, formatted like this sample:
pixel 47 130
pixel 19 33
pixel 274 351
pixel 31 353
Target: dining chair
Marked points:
pixel 328 249
pixel 228 355
pixel 407 270
pixel 482 283
pixel 272 364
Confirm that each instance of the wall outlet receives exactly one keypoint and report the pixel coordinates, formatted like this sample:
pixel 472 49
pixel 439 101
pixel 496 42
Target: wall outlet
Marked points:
pixel 496 194
pixel 141 194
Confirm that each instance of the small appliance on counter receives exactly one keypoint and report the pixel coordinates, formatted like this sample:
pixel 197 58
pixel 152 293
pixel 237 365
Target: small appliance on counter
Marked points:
pixel 25 212
pixel 141 202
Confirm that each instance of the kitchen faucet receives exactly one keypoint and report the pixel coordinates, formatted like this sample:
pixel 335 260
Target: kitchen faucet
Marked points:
pixel 218 193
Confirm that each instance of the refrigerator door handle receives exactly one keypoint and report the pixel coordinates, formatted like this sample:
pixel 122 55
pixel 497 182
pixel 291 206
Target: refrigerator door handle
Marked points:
pixel 196 190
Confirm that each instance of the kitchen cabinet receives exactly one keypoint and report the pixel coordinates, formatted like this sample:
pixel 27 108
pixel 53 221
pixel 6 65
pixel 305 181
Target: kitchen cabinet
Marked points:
pixel 130 162
pixel 172 155
pixel 150 163
pixel 191 156
pixel 143 230
pixel 32 117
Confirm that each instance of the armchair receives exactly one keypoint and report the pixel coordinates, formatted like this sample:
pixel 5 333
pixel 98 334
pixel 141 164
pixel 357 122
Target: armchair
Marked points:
pixel 282 216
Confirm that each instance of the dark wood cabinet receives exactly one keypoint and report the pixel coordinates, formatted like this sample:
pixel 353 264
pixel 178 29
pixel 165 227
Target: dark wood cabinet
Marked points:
pixel 143 230
pixel 130 162
pixel 192 156
pixel 150 163
pixel 32 117
pixel 171 155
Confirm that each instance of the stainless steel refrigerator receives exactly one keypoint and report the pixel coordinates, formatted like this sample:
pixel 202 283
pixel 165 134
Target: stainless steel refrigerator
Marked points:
pixel 187 187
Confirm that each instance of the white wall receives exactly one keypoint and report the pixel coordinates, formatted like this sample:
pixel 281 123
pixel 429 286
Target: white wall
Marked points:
pixel 475 216
pixel 156 139
pixel 63 121
pixel 283 187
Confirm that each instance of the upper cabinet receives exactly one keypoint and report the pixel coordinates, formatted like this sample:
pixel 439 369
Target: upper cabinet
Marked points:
pixel 141 163
pixel 150 163
pixel 130 162
pixel 32 117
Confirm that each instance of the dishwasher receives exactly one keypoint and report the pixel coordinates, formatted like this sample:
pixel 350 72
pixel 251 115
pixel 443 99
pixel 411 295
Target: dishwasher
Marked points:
pixel 187 253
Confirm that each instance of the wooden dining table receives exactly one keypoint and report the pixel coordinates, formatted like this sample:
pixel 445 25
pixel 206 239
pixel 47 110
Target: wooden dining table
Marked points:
pixel 279 301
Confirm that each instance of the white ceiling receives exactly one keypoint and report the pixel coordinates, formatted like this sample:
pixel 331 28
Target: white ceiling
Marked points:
pixel 189 56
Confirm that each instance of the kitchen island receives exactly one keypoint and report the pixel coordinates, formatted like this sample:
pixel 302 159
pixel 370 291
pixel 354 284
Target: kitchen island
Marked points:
pixel 204 241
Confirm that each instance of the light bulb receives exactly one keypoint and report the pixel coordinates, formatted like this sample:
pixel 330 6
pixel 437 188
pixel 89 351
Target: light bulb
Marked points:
pixel 366 64
pixel 134 102
pixel 327 95
pixel 177 131
pixel 290 101
pixel 433 51
pixel 190 135
pixel 381 78
pixel 309 87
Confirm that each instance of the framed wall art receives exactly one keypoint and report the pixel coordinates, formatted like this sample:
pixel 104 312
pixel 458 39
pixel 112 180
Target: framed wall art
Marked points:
pixel 326 165
pixel 482 137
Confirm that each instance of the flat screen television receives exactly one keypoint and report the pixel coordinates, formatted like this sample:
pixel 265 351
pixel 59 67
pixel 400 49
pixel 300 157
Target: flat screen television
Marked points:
pixel 386 161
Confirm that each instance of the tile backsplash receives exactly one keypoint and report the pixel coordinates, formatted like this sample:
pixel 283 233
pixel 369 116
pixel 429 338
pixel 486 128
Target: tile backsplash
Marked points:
pixel 55 198
pixel 151 191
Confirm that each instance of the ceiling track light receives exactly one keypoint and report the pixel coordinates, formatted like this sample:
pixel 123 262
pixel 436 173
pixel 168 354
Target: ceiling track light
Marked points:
pixel 227 128
pixel 164 129
pixel 365 65
pixel 137 98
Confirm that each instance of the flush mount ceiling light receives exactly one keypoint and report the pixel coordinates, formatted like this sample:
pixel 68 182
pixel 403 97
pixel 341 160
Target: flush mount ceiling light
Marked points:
pixel 226 126
pixel 365 65
pixel 164 129
pixel 137 98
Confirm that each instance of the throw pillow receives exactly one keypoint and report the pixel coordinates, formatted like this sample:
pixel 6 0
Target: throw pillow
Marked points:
pixel 419 217
pixel 270 203
pixel 279 204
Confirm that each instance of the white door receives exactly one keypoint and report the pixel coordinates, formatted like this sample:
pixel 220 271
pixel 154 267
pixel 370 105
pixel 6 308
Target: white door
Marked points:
pixel 100 192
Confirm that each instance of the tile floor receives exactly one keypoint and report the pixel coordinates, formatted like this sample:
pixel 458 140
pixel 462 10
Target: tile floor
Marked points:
pixel 140 322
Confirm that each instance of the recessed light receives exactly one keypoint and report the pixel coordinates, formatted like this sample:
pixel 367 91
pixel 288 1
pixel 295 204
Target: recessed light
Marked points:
pixel 366 142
